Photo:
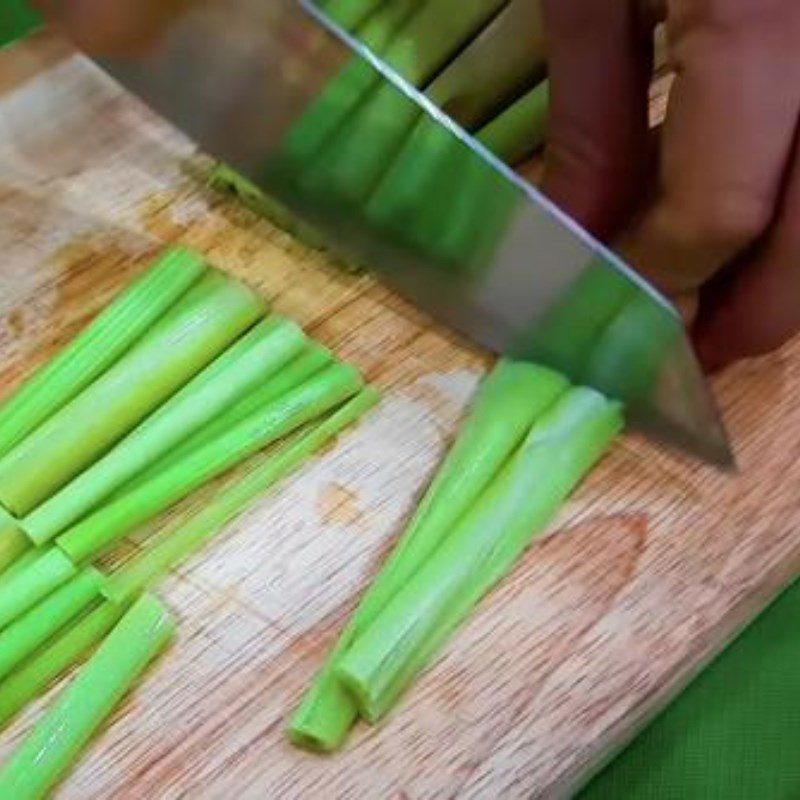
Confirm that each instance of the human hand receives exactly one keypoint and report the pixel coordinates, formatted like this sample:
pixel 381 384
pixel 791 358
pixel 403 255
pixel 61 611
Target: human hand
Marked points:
pixel 717 212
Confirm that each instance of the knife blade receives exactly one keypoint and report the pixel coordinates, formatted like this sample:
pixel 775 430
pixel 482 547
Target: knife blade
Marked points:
pixel 325 127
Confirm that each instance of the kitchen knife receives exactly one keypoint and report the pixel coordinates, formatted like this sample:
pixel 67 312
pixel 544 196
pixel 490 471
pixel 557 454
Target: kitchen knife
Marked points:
pixel 326 128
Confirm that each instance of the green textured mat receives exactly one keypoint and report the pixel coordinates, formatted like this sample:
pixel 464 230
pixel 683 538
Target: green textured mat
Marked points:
pixel 16 19
pixel 734 733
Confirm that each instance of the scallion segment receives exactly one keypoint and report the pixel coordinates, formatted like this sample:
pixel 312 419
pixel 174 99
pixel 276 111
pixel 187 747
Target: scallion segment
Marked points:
pixel 37 625
pixel 305 366
pixel 63 652
pixel 208 318
pixel 59 737
pixel 232 376
pixel 120 515
pixel 26 587
pixel 561 447
pixel 175 545
pixel 100 345
pixel 506 405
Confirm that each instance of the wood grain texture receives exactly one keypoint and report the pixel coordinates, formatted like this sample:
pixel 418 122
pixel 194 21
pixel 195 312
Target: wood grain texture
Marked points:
pixel 649 570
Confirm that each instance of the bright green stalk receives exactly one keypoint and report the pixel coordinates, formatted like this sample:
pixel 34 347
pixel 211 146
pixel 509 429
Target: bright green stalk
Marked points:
pixel 507 404
pixel 13 542
pixel 59 737
pixel 234 374
pixel 561 447
pixel 178 544
pixel 105 526
pixel 63 652
pixel 211 315
pixel 99 346
pixel 520 130
pixel 309 363
pixel 26 587
pixel 37 625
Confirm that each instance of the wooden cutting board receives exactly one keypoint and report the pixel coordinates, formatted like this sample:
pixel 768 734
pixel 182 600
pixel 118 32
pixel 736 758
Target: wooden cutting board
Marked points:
pixel 650 569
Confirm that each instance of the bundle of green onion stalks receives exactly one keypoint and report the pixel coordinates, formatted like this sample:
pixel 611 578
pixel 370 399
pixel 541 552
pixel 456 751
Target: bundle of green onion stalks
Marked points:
pixel 183 377
pixel 528 441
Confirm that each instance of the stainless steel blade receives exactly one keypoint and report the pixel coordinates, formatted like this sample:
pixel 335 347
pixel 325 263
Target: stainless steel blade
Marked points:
pixel 326 128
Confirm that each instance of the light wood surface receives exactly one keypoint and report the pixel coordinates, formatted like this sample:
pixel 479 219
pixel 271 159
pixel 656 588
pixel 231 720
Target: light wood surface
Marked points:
pixel 650 569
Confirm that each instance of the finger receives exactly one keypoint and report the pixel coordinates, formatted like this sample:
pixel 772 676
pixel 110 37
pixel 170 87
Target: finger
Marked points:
pixel 599 60
pixel 726 141
pixel 756 307
pixel 102 27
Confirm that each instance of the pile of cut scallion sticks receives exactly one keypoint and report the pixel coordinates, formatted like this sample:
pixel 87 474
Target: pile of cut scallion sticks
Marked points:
pixel 181 378
pixel 184 376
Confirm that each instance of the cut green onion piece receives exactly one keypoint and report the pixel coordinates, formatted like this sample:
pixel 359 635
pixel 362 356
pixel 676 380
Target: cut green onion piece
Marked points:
pixel 26 587
pixel 99 346
pixel 178 544
pixel 37 625
pixel 508 402
pixel 58 738
pixel 309 363
pixel 323 392
pixel 234 374
pixel 13 542
pixel 511 399
pixel 559 450
pixel 63 652
pixel 520 130
pixel 210 316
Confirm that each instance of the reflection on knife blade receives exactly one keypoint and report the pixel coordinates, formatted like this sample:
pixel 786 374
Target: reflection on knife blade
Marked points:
pixel 391 183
